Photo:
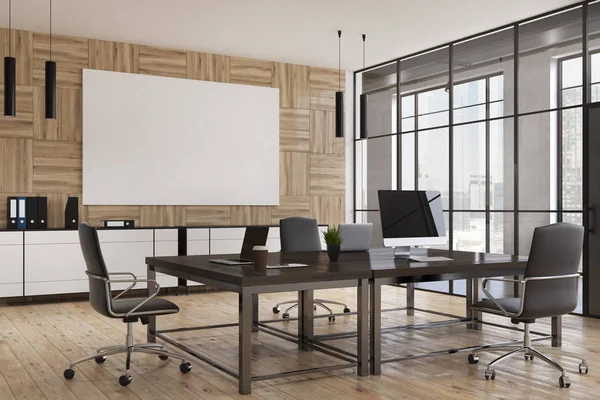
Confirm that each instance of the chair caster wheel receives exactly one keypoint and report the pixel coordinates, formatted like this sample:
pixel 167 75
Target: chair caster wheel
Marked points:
pixel 125 380
pixel 285 315
pixel 346 310
pixel 473 359
pixel 163 357
pixel 331 318
pixel 314 308
pixel 564 382
pixel 69 373
pixel 276 310
pixel 583 368
pixel 185 367
pixel 490 374
pixel 528 357
pixel 100 359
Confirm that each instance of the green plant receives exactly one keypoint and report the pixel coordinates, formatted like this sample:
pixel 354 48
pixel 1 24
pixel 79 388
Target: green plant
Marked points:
pixel 332 236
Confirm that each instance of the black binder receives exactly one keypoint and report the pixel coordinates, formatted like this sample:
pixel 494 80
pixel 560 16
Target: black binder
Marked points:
pixel 42 212
pixel 31 211
pixel 12 210
pixel 72 213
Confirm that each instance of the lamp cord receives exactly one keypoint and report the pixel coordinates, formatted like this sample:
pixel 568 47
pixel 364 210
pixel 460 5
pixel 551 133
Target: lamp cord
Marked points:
pixel 339 61
pixel 50 30
pixel 9 28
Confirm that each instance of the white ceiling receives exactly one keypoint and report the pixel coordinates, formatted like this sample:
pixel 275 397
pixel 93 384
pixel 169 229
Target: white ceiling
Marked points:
pixel 297 31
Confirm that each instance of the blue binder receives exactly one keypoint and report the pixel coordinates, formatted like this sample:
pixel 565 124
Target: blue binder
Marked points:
pixel 22 220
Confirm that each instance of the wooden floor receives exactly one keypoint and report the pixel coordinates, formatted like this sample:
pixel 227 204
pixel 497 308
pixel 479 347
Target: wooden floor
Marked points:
pixel 38 341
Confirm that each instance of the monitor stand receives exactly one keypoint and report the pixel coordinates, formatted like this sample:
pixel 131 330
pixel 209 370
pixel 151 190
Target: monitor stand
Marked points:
pixel 402 252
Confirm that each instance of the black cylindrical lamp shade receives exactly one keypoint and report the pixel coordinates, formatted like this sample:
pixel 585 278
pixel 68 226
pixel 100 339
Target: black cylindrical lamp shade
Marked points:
pixel 363 116
pixel 10 87
pixel 339 114
pixel 50 90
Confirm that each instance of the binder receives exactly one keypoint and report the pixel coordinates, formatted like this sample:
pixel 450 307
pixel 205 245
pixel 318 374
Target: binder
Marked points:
pixel 12 212
pixel 31 210
pixel 42 212
pixel 22 213
pixel 72 213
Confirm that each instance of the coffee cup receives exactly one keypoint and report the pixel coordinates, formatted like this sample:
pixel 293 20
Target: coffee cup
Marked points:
pixel 259 256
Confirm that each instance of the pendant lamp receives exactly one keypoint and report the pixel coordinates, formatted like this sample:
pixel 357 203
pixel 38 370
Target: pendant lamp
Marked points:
pixel 339 95
pixel 10 74
pixel 50 79
pixel 363 101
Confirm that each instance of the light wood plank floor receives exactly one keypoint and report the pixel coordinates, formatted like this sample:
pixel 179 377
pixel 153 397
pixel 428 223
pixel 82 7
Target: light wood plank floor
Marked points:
pixel 38 341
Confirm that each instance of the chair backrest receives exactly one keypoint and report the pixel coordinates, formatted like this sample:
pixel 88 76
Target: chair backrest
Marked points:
pixel 356 237
pixel 299 234
pixel 90 247
pixel 555 250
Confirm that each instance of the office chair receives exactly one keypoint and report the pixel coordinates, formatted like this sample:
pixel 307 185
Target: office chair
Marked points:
pixel 297 235
pixel 548 289
pixel 129 310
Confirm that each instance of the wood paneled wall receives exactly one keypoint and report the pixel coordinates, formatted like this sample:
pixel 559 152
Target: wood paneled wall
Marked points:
pixel 44 157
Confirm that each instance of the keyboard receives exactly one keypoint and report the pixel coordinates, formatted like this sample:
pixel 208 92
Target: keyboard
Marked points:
pixel 429 259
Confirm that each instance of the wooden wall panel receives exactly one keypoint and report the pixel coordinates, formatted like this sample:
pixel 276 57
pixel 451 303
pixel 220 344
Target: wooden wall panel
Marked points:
pixel 21 47
pixel 70 53
pixel 71 115
pixel 327 174
pixel 294 129
pixel 291 206
pixel 245 71
pixel 127 57
pixel 208 67
pixel 16 163
pixel 57 167
pixel 43 157
pixel 95 214
pixel 162 216
pixel 162 62
pixel 328 210
pixel 45 129
pixel 102 55
pixel 22 124
pixel 324 83
pixel 293 174
pixel 322 133
pixel 293 83
pixel 208 215
pixel 250 215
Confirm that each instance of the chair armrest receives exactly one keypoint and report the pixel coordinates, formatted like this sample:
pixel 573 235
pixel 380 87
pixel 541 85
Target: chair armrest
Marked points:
pixel 123 273
pixel 492 298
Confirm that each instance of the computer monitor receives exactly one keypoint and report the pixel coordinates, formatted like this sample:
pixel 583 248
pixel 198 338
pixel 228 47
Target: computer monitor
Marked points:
pixel 411 218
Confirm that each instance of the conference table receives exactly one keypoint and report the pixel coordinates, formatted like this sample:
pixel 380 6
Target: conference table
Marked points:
pixel 365 271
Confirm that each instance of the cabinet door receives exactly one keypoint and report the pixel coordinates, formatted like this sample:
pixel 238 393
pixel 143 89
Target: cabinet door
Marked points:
pixel 11 256
pixel 165 244
pixel 197 244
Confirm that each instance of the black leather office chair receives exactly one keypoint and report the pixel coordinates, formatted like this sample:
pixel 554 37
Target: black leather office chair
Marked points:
pixel 130 310
pixel 298 234
pixel 548 289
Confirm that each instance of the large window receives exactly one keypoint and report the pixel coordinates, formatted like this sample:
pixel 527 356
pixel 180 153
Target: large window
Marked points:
pixel 494 122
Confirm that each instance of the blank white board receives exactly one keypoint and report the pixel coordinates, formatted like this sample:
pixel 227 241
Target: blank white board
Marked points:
pixel 151 140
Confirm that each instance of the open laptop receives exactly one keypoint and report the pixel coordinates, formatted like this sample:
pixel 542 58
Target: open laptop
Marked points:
pixel 356 237
pixel 254 236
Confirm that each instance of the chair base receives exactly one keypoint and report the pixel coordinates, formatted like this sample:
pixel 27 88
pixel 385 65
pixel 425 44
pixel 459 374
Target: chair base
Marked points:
pixel 317 302
pixel 129 348
pixel 529 354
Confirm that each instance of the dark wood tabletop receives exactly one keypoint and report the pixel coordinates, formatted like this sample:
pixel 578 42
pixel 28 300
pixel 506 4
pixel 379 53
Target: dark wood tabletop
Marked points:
pixel 377 263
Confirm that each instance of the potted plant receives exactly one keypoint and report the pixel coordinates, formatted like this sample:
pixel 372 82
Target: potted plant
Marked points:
pixel 333 239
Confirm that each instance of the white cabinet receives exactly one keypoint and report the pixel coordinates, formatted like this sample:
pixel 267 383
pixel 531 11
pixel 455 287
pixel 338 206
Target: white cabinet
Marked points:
pixel 165 244
pixel 54 263
pixel 226 240
pixel 11 264
pixel 126 251
pixel 198 244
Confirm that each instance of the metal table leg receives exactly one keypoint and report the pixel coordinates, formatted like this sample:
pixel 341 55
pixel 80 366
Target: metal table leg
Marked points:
pixel 362 341
pixel 557 331
pixel 255 318
pixel 410 299
pixel 375 327
pixel 473 296
pixel 305 319
pixel 245 345
pixel 151 327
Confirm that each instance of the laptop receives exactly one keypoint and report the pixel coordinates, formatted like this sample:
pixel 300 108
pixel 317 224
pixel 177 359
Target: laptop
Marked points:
pixel 254 236
pixel 356 237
